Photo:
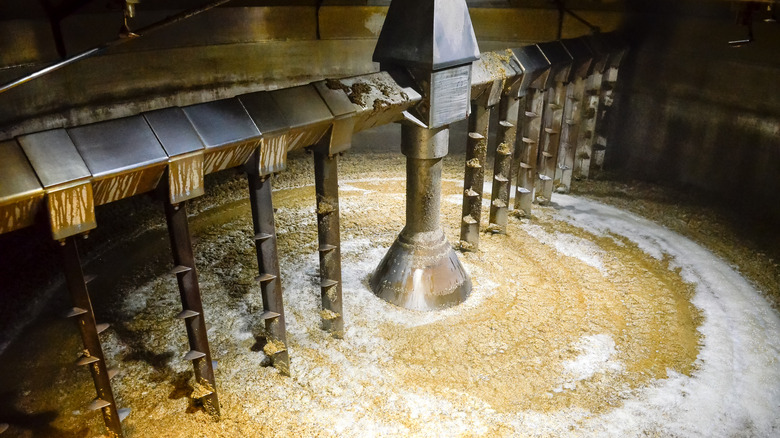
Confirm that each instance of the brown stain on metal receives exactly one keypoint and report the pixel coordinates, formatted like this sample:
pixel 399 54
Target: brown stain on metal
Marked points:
pixel 306 136
pixel 185 177
pixel 115 187
pixel 273 154
pixel 229 156
pixel 19 214
pixel 71 210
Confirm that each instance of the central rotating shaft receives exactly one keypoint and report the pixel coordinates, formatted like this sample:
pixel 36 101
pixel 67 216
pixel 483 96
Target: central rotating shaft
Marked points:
pixel 421 271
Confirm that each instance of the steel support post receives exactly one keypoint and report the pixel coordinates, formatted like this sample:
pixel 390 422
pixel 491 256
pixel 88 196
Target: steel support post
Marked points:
pixel 268 268
pixel 587 130
pixel 502 165
pixel 476 158
pixel 575 91
pixel 527 151
pixel 602 122
pixel 93 352
pixel 192 306
pixel 326 183
pixel 551 136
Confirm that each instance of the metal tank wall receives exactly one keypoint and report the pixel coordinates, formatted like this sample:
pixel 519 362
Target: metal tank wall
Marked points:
pixel 697 113
pixel 237 48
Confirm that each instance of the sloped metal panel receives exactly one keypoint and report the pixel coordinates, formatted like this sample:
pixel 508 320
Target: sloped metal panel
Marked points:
pixel 305 111
pixel 54 157
pixel 174 131
pixel 536 68
pixel 66 179
pixel 560 61
pixel 228 132
pixel 222 123
pixel 582 57
pixel 119 145
pixel 428 34
pixel 123 155
pixel 20 191
pixel 264 111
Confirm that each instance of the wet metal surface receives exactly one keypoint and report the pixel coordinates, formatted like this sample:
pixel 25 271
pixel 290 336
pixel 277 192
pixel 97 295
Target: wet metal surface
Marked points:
pixel 93 356
pixel 326 185
pixel 476 161
pixel 502 165
pixel 20 191
pixel 421 271
pixel 269 277
pixel 192 314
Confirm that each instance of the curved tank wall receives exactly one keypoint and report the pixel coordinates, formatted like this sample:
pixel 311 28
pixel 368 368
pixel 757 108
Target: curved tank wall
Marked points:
pixel 227 51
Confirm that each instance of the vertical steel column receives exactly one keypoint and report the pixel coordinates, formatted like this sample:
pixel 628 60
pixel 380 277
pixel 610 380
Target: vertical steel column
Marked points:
pixel 502 166
pixel 602 121
pixel 421 271
pixel 93 352
pixel 524 161
pixel 575 91
pixel 587 135
pixel 326 183
pixel 192 306
pixel 268 268
pixel 551 136
pixel 476 158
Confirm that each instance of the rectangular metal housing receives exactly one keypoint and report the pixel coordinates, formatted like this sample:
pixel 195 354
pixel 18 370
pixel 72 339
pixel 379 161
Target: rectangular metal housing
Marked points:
pixel 488 76
pixel 185 152
pixel 66 180
pixel 343 112
pixel 308 116
pixel 535 67
pixel 582 57
pixel 227 131
pixel 271 156
pixel 123 155
pixel 21 194
pixel 446 95
pixel 560 61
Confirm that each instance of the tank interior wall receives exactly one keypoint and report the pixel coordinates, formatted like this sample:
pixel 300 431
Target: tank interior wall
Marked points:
pixel 239 48
pixel 695 112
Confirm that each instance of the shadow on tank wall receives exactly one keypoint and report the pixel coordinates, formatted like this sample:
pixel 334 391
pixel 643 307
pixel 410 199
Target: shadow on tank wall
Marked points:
pixel 697 113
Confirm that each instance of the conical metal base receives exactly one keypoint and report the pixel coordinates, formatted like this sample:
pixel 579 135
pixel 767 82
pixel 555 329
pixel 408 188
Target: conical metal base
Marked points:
pixel 421 271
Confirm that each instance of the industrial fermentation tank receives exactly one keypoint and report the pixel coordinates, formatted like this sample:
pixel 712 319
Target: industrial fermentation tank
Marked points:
pixel 432 218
